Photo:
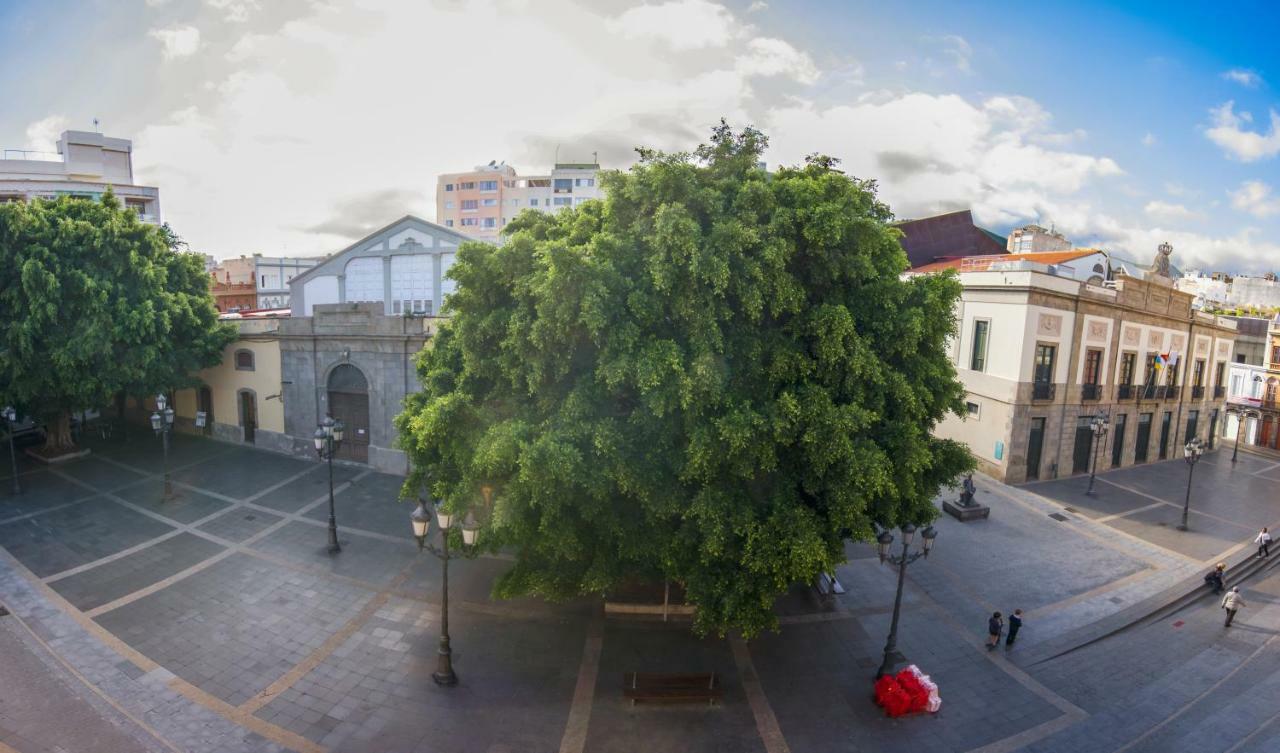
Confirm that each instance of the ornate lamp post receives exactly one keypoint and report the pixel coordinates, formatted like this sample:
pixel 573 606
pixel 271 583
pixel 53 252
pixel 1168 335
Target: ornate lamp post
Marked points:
pixel 1099 428
pixel 1242 416
pixel 162 424
pixel 885 540
pixel 328 437
pixel 421 520
pixel 1191 452
pixel 10 419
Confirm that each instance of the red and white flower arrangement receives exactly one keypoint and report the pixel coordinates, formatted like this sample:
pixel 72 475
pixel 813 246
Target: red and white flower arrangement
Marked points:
pixel 910 691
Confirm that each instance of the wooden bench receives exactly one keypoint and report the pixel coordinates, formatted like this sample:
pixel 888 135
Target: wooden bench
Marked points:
pixel 672 688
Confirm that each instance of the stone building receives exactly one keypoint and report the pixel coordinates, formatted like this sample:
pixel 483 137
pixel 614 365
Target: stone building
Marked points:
pixel 1040 354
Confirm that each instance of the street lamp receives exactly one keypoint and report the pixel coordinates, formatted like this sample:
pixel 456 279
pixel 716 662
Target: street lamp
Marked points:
pixel 328 437
pixel 885 540
pixel 420 518
pixel 10 419
pixel 1242 416
pixel 162 424
pixel 1191 453
pixel 1099 428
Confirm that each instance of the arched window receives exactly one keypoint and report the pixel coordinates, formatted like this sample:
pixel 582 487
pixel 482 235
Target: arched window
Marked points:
pixel 244 360
pixel 347 378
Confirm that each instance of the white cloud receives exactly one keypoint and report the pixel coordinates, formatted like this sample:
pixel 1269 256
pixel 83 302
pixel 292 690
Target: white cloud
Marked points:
pixel 680 24
pixel 757 6
pixel 1242 144
pixel 42 135
pixel 773 57
pixel 1164 210
pixel 1255 197
pixel 1149 139
pixel 959 51
pixel 237 11
pixel 177 41
pixel 1246 78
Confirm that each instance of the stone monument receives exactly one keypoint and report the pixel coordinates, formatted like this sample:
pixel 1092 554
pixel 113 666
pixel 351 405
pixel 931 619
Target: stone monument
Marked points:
pixel 967 508
pixel 1158 272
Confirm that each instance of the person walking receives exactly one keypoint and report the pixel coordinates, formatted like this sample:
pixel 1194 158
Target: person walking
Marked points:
pixel 1015 624
pixel 1263 540
pixel 995 626
pixel 1232 602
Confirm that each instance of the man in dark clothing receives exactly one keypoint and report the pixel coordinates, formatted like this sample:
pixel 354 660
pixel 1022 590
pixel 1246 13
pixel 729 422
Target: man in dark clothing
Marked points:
pixel 1015 624
pixel 995 626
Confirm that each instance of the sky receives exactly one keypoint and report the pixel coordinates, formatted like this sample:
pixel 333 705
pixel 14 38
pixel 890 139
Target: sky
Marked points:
pixel 294 127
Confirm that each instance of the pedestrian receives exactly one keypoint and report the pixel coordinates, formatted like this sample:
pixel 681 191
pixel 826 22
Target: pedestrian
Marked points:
pixel 995 626
pixel 1232 603
pixel 1015 624
pixel 1263 541
pixel 1215 579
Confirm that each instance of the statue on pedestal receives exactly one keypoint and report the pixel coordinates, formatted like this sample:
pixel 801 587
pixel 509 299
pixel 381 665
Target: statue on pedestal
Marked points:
pixel 1160 266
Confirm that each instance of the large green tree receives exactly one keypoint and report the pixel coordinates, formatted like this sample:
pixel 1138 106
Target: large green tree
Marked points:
pixel 717 375
pixel 95 302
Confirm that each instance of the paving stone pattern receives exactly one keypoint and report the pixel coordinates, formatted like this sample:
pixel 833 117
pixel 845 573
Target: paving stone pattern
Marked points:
pixel 239 524
pixel 233 628
pixel 105 583
pixel 371 503
pixel 68 537
pixel 184 506
pixel 362 557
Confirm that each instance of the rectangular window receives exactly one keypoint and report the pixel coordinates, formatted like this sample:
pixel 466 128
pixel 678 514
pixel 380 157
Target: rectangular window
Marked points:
pixel 466 186
pixel 533 202
pixel 1275 355
pixel 489 222
pixel 469 221
pixel 591 182
pixel 488 185
pixel 973 408
pixel 448 223
pixel 448 186
pixel 489 202
pixel 469 205
pixel 1198 379
pixel 1149 378
pixel 562 201
pixel 563 185
pixel 1172 378
pixel 1044 363
pixel 978 359
pixel 449 205
pixel 1128 363
pixel 1092 366
pixel 1217 377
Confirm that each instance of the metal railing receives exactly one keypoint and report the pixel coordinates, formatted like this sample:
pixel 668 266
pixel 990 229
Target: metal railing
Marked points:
pixel 30 154
pixel 1091 392
pixel 1124 392
pixel 1197 393
pixel 1219 391
pixel 1042 391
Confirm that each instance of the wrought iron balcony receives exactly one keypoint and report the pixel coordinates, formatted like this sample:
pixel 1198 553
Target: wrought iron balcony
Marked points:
pixel 1197 393
pixel 1042 390
pixel 1091 392
pixel 1124 392
pixel 1219 391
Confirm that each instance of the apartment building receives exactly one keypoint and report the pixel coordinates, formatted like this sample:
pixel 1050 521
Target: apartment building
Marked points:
pixel 85 164
pixel 1040 353
pixel 481 202
pixel 1033 239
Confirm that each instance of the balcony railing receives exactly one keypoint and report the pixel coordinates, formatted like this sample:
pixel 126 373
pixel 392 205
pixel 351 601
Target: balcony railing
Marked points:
pixel 1042 391
pixel 1219 391
pixel 1124 392
pixel 1091 392
pixel 1197 393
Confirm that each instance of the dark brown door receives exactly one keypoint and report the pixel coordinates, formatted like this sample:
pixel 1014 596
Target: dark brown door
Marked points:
pixel 353 411
pixel 248 415
pixel 206 405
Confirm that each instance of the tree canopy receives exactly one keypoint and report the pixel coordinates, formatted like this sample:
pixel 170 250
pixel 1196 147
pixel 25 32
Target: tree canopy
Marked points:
pixel 97 302
pixel 717 375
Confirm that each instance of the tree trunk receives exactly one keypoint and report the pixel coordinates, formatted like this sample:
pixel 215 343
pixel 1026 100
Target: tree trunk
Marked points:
pixel 58 434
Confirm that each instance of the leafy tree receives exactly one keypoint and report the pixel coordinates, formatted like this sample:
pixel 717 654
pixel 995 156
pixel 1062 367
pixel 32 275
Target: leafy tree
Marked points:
pixel 717 376
pixel 97 302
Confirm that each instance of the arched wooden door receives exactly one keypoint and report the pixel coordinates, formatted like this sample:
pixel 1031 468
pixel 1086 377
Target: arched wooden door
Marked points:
pixel 349 403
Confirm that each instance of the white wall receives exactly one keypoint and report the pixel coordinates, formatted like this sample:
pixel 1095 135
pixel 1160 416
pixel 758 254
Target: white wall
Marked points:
pixel 318 290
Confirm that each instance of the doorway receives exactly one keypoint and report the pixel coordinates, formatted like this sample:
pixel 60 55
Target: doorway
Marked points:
pixel 349 403
pixel 248 415
pixel 1084 443
pixel 1035 443
pixel 1143 441
pixel 204 403
pixel 1117 440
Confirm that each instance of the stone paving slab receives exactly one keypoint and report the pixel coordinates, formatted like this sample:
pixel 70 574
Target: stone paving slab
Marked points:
pixel 185 506
pixel 41 490
pixel 68 537
pixel 110 581
pixel 1208 537
pixel 144 451
pixel 239 524
pixel 1106 500
pixel 241 472
pixel 366 558
pixel 617 726
pixel 374 693
pixel 233 628
pixel 100 474
pixel 303 491
pixel 371 503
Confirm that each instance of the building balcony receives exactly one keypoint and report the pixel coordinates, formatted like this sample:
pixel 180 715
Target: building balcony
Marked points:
pixel 1091 392
pixel 1197 393
pixel 1124 392
pixel 1042 390
pixel 1219 392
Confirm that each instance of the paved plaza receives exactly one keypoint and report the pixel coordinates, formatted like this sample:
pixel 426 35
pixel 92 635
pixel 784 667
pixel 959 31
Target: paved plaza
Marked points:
pixel 217 621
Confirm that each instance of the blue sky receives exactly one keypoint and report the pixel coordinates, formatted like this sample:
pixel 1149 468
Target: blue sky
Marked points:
pixel 292 127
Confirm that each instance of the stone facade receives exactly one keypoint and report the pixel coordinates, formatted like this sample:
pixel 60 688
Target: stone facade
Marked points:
pixel 383 348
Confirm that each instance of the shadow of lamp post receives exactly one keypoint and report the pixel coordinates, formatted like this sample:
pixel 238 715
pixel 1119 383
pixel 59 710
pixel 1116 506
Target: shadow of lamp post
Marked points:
pixel 885 540
pixel 1099 428
pixel 162 424
pixel 447 522
pixel 1191 453
pixel 328 438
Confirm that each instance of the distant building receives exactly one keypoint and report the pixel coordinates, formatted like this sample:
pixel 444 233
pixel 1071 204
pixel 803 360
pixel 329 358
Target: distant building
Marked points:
pixel 1254 402
pixel 234 287
pixel 1208 290
pixel 85 164
pixel 1084 264
pixel 1033 239
pixel 273 274
pixel 1251 340
pixel 1041 352
pixel 947 236
pixel 1258 292
pixel 481 202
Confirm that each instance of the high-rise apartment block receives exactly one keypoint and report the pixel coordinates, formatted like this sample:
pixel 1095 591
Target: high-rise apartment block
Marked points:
pixel 481 202
pixel 85 164
pixel 1033 239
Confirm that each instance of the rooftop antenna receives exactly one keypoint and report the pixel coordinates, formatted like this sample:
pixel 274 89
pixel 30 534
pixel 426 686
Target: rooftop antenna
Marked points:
pixel 595 158
pixel 95 126
pixel 557 154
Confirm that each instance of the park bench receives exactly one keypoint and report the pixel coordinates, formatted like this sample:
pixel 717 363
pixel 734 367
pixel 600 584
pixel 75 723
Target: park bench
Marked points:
pixel 672 688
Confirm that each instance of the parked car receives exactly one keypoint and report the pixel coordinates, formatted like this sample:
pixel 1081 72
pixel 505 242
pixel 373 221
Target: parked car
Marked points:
pixel 26 430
